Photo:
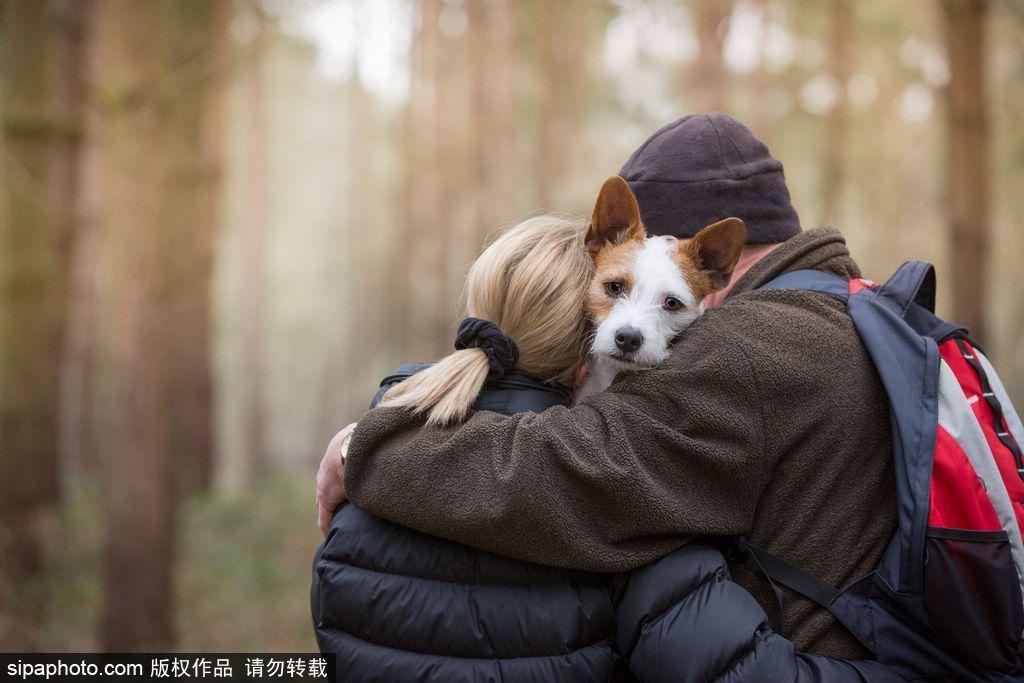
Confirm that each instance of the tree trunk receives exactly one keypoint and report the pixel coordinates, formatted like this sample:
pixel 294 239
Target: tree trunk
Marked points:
pixel 197 33
pixel 492 131
pixel 841 28
pixel 41 60
pixel 456 149
pixel 706 84
pixel 243 455
pixel 424 246
pixel 254 259
pixel 130 73
pixel 968 161
pixel 561 95
pixel 760 120
pixel 402 249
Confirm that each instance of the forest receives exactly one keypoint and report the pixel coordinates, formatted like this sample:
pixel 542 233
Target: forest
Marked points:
pixel 223 221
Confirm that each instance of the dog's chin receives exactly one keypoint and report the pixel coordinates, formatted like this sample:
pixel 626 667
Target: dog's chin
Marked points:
pixel 622 361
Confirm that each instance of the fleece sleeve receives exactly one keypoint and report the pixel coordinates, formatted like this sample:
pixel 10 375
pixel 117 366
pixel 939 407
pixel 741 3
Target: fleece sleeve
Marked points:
pixel 607 485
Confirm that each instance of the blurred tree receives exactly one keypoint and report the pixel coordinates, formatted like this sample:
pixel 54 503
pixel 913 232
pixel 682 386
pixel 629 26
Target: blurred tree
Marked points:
pixel 42 81
pixel 77 451
pixel 254 258
pixel 455 152
pixel 197 41
pixel 476 178
pixel 424 241
pixel 841 42
pixel 492 122
pixel 561 88
pixel 968 160
pixel 372 301
pixel 760 121
pixel 133 90
pixel 705 85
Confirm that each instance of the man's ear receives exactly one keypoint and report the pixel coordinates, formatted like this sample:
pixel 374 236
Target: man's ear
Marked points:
pixel 616 216
pixel 716 249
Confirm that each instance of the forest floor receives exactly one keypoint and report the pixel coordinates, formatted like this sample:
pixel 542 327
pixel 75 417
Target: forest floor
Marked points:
pixel 243 572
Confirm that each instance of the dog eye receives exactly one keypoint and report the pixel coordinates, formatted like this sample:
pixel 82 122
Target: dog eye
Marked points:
pixel 614 288
pixel 672 304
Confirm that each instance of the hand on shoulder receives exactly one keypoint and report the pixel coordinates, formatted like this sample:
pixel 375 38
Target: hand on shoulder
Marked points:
pixel 330 478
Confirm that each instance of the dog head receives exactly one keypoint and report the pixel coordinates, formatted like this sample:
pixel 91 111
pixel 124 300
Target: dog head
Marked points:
pixel 646 290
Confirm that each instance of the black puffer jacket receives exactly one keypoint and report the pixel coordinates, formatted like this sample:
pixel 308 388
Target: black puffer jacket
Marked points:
pixel 397 605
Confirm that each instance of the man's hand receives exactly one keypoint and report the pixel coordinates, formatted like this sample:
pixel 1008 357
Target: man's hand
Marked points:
pixel 330 481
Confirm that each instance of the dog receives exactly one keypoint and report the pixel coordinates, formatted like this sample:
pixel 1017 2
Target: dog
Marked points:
pixel 647 290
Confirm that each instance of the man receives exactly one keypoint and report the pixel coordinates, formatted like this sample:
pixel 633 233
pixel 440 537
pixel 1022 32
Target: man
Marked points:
pixel 768 420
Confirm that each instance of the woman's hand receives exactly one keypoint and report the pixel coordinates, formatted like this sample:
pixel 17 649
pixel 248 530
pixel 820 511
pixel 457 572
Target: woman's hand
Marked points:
pixel 330 481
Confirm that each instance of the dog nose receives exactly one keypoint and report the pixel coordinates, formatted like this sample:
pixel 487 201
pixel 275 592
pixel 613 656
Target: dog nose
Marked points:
pixel 628 339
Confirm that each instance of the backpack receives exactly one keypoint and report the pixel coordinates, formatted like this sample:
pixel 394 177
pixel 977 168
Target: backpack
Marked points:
pixel 945 601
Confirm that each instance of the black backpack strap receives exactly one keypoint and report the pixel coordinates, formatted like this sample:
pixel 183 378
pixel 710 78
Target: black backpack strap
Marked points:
pixel 913 282
pixel 775 621
pixel 794 578
pixel 841 604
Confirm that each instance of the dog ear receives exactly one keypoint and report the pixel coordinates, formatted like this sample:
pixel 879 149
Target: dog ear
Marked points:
pixel 716 249
pixel 616 216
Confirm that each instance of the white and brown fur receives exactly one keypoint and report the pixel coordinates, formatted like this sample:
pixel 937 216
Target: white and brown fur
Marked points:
pixel 647 290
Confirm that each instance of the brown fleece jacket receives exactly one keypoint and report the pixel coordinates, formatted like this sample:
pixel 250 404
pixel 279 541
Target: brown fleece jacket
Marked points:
pixel 767 420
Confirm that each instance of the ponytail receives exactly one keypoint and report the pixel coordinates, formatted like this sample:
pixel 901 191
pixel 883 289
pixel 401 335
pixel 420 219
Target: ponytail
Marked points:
pixel 449 387
pixel 444 391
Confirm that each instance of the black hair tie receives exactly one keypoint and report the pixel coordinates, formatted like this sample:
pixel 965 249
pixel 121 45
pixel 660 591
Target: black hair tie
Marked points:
pixel 502 353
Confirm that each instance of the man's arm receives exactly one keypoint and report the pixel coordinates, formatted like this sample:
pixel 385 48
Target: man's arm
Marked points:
pixel 606 485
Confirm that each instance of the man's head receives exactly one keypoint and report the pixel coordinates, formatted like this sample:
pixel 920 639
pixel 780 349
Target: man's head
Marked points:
pixel 707 167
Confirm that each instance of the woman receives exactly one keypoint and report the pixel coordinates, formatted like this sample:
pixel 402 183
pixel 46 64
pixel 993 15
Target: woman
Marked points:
pixel 397 605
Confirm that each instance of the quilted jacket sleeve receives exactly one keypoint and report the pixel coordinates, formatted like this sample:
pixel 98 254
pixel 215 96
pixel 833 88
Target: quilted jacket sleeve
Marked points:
pixel 683 619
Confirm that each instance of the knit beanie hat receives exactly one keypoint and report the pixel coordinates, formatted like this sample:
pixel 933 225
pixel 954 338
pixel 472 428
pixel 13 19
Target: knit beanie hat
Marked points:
pixel 706 167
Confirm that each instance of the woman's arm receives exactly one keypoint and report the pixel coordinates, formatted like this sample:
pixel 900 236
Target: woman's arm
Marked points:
pixel 683 618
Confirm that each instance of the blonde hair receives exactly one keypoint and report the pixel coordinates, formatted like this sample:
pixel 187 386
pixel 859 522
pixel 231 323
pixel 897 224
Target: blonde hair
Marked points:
pixel 532 283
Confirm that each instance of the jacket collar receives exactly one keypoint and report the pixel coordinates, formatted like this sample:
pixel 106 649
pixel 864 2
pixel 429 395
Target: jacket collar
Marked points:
pixel 517 392
pixel 513 392
pixel 818 249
